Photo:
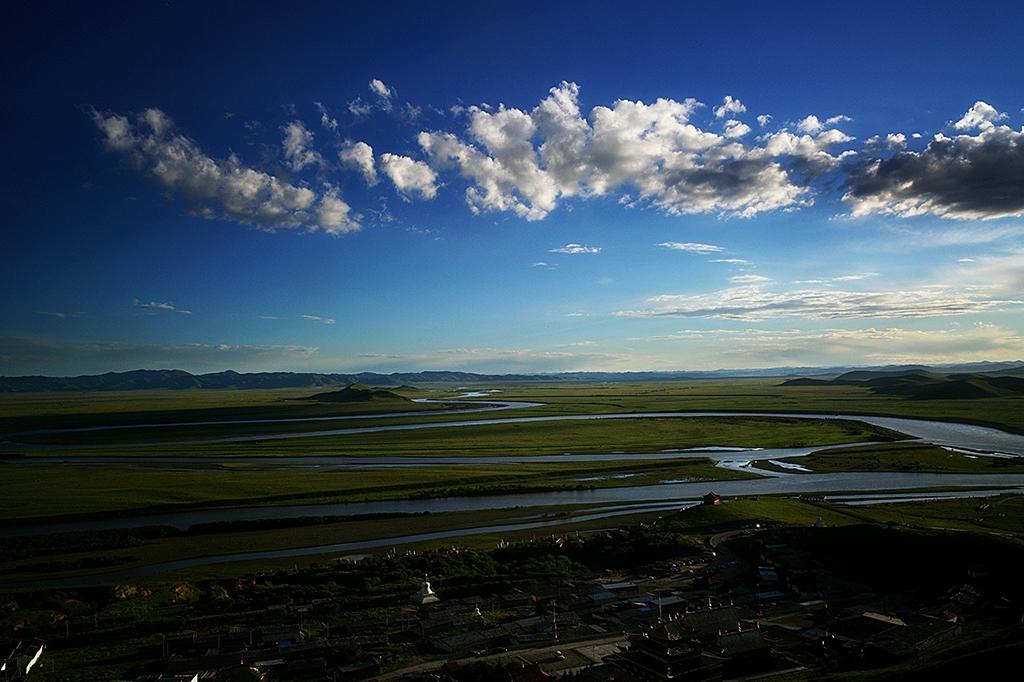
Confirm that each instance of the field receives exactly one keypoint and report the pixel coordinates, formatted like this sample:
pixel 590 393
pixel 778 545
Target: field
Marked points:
pixel 227 474
pixel 19 412
pixel 908 457
pixel 766 395
pixel 27 411
pixel 144 490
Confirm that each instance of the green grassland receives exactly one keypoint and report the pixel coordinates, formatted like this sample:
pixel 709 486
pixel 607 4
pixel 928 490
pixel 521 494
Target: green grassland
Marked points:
pixel 137 489
pixel 533 438
pixel 92 490
pixel 1001 516
pixel 36 489
pixel 29 411
pixel 19 412
pixel 907 457
pixel 762 395
pixel 158 549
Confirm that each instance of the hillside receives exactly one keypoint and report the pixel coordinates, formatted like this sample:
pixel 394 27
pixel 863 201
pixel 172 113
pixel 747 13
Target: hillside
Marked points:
pixel 925 385
pixel 177 379
pixel 180 379
pixel 357 393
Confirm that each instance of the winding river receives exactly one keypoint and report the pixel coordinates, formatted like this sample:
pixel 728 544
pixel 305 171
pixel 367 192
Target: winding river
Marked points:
pixel 849 487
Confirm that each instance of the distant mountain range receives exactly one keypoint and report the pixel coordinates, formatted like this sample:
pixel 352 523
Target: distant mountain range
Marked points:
pixel 928 385
pixel 179 379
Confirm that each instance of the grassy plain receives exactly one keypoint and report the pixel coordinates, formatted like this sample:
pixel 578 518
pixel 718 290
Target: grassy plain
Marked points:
pixel 907 457
pixel 159 549
pixel 124 631
pixel 20 412
pixel 529 438
pixel 119 490
pixel 761 395
pixel 1001 516
pixel 59 410
pixel 90 489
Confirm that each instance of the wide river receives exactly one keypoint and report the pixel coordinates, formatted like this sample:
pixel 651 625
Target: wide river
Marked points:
pixel 852 487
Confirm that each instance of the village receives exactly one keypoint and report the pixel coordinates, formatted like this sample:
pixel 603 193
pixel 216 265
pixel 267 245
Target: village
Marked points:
pixel 753 601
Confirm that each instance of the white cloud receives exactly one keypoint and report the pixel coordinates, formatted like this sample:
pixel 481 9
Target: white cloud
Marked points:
pixel 296 145
pixel 652 148
pixel 754 302
pixel 692 247
pixel 508 177
pixel 213 187
pixel 823 347
pixel 410 112
pixel 729 106
pixel 839 278
pixel 854 278
pixel 359 108
pixel 764 119
pixel 982 115
pixel 409 176
pixel 160 306
pixel 735 129
pixel 575 249
pixel 566 136
pixel 957 235
pixel 384 95
pixel 59 314
pixel 749 279
pixel 811 149
pixel 810 125
pixel 378 87
pixel 333 215
pixel 325 118
pixel 896 140
pixel 319 319
pixel 495 360
pixel 993 275
pixel 679 167
pixel 731 261
pixel 359 156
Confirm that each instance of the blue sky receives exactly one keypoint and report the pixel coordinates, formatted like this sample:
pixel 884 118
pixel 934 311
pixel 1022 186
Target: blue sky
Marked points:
pixel 403 187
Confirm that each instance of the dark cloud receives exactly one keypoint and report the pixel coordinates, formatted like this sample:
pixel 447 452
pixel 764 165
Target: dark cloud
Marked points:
pixel 964 177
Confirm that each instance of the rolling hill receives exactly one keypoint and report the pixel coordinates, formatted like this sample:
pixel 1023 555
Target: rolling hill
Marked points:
pixel 357 393
pixel 925 385
pixel 176 379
